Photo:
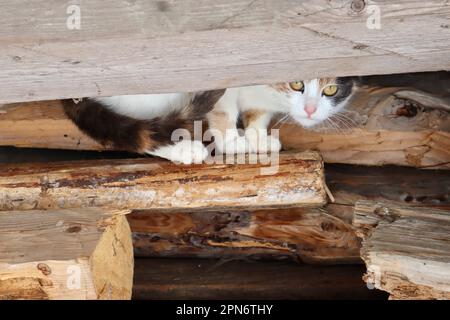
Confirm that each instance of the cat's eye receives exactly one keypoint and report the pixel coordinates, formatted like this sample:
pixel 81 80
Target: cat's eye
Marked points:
pixel 331 90
pixel 297 86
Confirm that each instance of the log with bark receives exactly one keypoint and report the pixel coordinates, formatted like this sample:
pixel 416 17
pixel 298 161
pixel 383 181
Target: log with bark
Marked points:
pixel 65 254
pixel 406 249
pixel 379 127
pixel 292 180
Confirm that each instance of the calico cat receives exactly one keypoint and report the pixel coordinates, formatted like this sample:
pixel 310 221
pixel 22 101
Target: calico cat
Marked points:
pixel 144 123
pixel 306 102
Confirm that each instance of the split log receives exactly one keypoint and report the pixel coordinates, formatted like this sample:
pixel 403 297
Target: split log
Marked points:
pixel 308 234
pixel 65 254
pixel 295 179
pixel 406 249
pixel 167 46
pixel 378 129
pixel 216 279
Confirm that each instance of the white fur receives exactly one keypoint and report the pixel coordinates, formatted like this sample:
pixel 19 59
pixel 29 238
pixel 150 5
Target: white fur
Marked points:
pixel 186 152
pixel 145 106
pixel 267 99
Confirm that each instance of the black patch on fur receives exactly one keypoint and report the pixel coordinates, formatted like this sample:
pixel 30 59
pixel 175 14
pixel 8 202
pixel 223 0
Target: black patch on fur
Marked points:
pixel 345 89
pixel 126 133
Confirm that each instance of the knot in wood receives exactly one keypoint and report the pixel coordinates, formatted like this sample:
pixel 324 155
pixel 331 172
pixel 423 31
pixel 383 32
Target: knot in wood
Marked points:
pixel 44 268
pixel 357 6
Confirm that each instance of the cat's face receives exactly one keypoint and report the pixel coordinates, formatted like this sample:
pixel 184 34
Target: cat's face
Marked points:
pixel 313 101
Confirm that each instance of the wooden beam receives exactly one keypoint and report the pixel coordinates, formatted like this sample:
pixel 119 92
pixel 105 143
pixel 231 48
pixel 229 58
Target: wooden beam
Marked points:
pixel 406 249
pixel 65 254
pixel 380 127
pixel 290 180
pixel 167 46
pixel 308 235
pixel 216 279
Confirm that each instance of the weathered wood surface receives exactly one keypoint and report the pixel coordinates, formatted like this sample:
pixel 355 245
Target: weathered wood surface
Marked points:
pixel 65 254
pixel 404 186
pixel 306 234
pixel 41 125
pixel 222 279
pixel 378 129
pixel 167 46
pixel 297 180
pixel 406 249
pixel 310 235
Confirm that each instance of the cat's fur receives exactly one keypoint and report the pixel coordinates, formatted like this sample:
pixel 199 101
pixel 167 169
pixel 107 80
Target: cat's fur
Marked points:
pixel 258 104
pixel 144 123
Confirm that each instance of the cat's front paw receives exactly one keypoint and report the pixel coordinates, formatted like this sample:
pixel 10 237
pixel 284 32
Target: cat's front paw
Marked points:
pixel 237 144
pixel 262 143
pixel 186 152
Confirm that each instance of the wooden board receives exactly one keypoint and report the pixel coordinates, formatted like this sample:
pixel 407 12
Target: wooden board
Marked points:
pixel 222 279
pixel 294 179
pixel 65 254
pixel 191 45
pixel 406 249
pixel 301 234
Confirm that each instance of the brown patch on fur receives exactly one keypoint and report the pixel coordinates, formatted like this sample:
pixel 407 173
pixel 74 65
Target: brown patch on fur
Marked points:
pixel 219 120
pixel 281 87
pixel 250 116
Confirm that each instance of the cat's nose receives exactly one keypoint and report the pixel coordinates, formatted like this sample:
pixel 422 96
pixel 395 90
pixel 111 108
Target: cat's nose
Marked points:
pixel 310 109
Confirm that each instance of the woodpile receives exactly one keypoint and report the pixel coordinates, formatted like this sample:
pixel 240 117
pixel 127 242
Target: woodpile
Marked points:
pixel 65 226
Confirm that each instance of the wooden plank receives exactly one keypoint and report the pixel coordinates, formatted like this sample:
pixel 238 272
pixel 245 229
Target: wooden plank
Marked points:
pixel 301 234
pixel 215 279
pixel 191 45
pixel 65 254
pixel 406 249
pixel 292 179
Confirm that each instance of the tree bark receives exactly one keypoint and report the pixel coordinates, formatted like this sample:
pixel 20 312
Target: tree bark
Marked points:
pixel 291 180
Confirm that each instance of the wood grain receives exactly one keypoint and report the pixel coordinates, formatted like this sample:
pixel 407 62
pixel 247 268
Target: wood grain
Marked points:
pixel 170 46
pixel 307 235
pixel 243 280
pixel 65 254
pixel 296 179
pixel 406 249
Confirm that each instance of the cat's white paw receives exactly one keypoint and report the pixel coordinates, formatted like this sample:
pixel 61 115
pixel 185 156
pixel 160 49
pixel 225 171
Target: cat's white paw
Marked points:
pixel 186 152
pixel 233 146
pixel 262 143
